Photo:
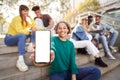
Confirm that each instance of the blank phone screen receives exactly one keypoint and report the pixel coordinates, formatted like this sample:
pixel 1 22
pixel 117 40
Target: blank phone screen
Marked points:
pixel 42 46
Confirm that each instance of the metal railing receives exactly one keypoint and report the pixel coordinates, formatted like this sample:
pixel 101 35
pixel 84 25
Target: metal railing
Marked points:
pixel 105 19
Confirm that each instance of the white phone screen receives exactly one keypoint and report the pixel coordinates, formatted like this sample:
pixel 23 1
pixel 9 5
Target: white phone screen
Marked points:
pixel 42 46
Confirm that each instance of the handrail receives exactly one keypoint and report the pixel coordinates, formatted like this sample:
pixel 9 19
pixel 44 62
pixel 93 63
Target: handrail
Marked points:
pixel 109 2
pixel 103 17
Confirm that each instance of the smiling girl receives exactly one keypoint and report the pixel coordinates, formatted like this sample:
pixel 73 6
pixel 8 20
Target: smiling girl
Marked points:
pixel 64 65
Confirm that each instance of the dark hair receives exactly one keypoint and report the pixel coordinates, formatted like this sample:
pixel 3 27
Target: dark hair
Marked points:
pixel 90 16
pixel 35 8
pixel 46 19
pixel 68 26
pixel 21 8
pixel 90 19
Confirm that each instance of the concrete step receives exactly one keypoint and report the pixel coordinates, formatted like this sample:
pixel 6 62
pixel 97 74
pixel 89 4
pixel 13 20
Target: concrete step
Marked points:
pixel 111 64
pixel 8 49
pixel 82 59
pixel 41 73
pixel 9 60
pixel 33 73
pixel 112 75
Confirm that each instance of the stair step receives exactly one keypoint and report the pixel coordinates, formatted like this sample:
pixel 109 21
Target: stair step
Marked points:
pixel 41 73
pixel 1 40
pixel 8 49
pixel 9 60
pixel 13 74
pixel 112 75
pixel 82 59
pixel 111 64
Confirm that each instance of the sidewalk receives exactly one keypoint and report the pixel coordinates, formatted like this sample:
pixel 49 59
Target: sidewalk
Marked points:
pixel 113 75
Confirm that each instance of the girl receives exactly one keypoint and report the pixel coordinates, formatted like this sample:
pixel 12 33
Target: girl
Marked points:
pixel 64 66
pixel 20 29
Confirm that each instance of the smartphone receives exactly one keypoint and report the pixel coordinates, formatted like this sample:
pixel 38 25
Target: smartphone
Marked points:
pixel 42 46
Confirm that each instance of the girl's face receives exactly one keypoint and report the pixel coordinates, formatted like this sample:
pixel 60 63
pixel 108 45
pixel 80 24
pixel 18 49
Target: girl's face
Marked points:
pixel 25 13
pixel 84 22
pixel 62 30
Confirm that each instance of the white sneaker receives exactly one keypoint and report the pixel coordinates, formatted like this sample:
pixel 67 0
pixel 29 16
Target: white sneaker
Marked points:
pixel 111 56
pixel 30 48
pixel 112 48
pixel 21 66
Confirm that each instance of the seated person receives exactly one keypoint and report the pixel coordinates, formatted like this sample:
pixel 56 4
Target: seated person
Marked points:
pixel 90 25
pixel 44 21
pixel 21 28
pixel 64 65
pixel 84 23
pixel 106 35
pixel 80 40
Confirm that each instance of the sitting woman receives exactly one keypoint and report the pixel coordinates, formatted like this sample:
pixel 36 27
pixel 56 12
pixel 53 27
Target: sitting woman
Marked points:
pixel 84 23
pixel 21 28
pixel 81 40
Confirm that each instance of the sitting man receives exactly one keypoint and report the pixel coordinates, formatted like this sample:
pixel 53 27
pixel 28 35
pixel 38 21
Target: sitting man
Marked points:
pixel 106 35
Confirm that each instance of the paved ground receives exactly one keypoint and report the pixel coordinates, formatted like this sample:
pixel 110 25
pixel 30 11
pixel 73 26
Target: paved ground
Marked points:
pixel 113 75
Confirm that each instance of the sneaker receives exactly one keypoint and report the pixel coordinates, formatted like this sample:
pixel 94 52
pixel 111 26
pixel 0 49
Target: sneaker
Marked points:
pixel 30 48
pixel 110 56
pixel 98 61
pixel 21 66
pixel 112 48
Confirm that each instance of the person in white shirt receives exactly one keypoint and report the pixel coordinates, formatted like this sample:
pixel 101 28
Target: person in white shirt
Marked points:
pixel 43 20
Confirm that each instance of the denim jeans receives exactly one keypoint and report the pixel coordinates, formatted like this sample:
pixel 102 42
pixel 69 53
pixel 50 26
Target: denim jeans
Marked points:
pixel 113 38
pixel 19 40
pixel 86 73
pixel 108 41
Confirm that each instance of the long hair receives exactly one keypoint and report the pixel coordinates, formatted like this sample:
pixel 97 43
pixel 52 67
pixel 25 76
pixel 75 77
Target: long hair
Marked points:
pixel 21 8
pixel 46 19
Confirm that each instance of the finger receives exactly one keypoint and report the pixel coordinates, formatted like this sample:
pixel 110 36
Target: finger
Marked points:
pixel 52 56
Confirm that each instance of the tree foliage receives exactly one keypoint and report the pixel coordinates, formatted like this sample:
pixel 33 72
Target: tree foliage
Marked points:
pixel 7 7
pixel 87 5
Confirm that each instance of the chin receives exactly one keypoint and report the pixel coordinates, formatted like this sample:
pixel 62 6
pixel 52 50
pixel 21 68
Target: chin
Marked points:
pixel 63 35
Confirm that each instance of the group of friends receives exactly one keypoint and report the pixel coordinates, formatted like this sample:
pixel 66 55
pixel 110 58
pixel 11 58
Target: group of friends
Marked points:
pixel 63 65
pixel 88 30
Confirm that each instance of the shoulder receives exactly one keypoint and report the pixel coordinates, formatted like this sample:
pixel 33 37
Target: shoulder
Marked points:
pixel 38 19
pixel 54 38
pixel 17 18
pixel 70 43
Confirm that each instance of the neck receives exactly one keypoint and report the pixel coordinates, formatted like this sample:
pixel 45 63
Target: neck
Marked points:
pixel 89 22
pixel 40 15
pixel 63 38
